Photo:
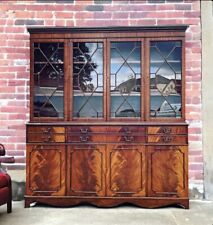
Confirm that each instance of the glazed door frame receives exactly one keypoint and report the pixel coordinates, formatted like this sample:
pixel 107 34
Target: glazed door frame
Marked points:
pixel 145 39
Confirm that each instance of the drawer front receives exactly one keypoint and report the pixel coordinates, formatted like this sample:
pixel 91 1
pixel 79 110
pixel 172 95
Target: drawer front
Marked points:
pixel 108 134
pixel 46 134
pixel 167 130
pixel 168 139
pixel 83 134
pixel 127 134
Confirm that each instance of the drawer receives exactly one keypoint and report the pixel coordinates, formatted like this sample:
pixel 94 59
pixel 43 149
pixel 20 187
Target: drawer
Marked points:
pixel 170 139
pixel 126 129
pixel 129 134
pixel 82 134
pixel 106 134
pixel 86 129
pixel 46 134
pixel 105 138
pixel 167 130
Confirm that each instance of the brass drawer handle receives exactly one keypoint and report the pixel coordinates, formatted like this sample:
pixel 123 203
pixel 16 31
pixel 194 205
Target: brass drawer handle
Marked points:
pixel 84 138
pixel 127 131
pixel 167 139
pixel 47 138
pixel 83 131
pixel 166 130
pixel 128 138
pixel 46 130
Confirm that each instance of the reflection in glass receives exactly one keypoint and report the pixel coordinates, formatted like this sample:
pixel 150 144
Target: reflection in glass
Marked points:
pixel 49 80
pixel 88 79
pixel 165 78
pixel 125 79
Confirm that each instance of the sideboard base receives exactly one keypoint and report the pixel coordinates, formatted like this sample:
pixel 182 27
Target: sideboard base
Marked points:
pixel 146 202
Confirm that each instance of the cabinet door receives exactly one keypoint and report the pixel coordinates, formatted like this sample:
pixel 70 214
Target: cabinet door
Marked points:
pixel 45 170
pixel 126 170
pixel 167 171
pixel 86 170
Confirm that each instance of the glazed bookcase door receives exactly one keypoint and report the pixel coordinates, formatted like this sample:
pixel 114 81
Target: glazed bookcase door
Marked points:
pixel 167 171
pixel 126 174
pixel 47 82
pixel 125 79
pixel 88 79
pixel 86 170
pixel 46 170
pixel 166 79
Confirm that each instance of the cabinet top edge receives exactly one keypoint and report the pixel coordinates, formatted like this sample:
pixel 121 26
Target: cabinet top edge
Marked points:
pixel 109 124
pixel 174 28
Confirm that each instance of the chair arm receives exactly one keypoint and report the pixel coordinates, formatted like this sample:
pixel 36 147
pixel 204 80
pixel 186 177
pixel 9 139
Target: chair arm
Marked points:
pixel 7 159
pixel 2 150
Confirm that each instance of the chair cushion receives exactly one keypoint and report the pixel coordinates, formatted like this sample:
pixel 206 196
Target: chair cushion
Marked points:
pixel 4 180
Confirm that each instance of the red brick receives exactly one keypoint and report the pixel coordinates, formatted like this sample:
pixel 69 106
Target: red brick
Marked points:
pixel 162 7
pixel 196 166
pixel 170 21
pixel 16 153
pixel 64 15
pixel 84 15
pixel 147 22
pixel 104 15
pixel 120 15
pixel 44 14
pixel 24 14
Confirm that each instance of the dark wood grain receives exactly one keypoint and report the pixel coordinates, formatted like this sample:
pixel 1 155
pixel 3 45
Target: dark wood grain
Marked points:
pixel 126 171
pixel 167 171
pixel 46 170
pixel 86 170
pixel 107 161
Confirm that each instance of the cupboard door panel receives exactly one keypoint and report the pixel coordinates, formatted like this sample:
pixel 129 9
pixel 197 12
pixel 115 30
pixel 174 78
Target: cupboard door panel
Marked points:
pixel 126 170
pixel 86 170
pixel 167 171
pixel 45 170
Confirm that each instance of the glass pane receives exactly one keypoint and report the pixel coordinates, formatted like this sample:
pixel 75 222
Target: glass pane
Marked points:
pixel 125 79
pixel 165 79
pixel 88 79
pixel 49 80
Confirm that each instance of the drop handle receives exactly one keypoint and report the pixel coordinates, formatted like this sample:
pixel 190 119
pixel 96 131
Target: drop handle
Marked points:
pixel 47 138
pixel 128 138
pixel 84 138
pixel 127 131
pixel 46 130
pixel 84 131
pixel 167 139
pixel 166 130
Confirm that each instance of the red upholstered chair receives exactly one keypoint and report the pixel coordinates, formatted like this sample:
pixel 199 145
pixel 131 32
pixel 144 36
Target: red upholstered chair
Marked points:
pixel 5 181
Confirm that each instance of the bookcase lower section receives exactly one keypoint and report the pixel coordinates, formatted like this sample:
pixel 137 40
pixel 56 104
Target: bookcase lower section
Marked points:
pixel 146 202
pixel 107 166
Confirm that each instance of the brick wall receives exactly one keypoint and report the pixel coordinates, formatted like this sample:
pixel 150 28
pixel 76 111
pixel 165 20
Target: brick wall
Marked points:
pixel 15 16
